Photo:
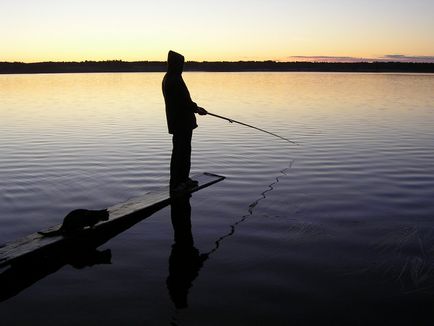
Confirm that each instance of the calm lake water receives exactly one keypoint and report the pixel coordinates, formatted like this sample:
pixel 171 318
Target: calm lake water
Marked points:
pixel 336 231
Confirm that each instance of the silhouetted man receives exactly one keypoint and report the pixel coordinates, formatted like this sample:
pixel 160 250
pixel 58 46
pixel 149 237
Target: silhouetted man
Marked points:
pixel 180 110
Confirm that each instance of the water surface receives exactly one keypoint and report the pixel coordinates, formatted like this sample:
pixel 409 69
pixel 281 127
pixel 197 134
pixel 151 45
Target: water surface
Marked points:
pixel 337 230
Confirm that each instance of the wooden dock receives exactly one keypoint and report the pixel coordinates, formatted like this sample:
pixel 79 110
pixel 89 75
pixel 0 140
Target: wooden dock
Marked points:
pixel 122 216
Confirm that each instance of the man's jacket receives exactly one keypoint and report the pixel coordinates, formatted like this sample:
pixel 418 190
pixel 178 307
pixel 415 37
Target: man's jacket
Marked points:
pixel 179 106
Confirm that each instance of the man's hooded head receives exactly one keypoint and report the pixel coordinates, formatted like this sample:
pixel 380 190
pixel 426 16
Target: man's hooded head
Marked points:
pixel 175 62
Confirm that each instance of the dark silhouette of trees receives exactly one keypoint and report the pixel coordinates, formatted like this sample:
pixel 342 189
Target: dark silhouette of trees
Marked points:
pixel 220 66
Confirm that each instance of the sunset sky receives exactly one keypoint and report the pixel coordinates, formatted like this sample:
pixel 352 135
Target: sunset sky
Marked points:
pixel 286 30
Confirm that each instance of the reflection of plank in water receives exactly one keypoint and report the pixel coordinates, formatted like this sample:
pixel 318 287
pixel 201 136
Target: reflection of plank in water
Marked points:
pixel 80 250
pixel 152 201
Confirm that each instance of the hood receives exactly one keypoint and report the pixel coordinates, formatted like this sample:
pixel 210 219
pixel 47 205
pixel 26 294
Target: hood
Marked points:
pixel 175 62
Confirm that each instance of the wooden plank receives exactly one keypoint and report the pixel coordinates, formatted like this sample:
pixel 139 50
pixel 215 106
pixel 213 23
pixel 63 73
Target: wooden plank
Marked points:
pixel 149 202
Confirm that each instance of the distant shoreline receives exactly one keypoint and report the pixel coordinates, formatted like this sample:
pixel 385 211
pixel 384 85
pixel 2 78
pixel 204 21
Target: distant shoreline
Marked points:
pixel 240 66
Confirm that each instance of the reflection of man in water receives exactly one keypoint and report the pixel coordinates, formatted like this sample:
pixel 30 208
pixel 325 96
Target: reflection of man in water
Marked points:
pixel 180 110
pixel 185 260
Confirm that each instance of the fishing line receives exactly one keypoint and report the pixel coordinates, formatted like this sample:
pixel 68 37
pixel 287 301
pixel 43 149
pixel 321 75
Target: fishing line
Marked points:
pixel 250 210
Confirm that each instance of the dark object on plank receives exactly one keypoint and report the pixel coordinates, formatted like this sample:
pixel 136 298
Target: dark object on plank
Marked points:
pixel 77 220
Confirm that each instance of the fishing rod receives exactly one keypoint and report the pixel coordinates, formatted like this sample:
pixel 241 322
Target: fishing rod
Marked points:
pixel 250 126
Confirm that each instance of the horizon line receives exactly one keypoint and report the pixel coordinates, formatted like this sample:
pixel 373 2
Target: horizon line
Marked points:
pixel 303 59
pixel 396 57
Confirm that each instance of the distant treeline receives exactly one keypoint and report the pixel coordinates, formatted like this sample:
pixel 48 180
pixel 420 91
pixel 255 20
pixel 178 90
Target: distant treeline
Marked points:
pixel 158 66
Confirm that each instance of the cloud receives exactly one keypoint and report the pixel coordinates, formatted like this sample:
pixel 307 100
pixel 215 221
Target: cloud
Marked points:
pixel 346 59
pixel 406 58
pixel 318 58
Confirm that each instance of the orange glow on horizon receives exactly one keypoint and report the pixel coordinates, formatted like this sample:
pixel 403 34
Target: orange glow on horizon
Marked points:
pixel 132 30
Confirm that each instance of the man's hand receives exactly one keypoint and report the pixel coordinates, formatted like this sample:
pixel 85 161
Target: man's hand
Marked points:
pixel 201 111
